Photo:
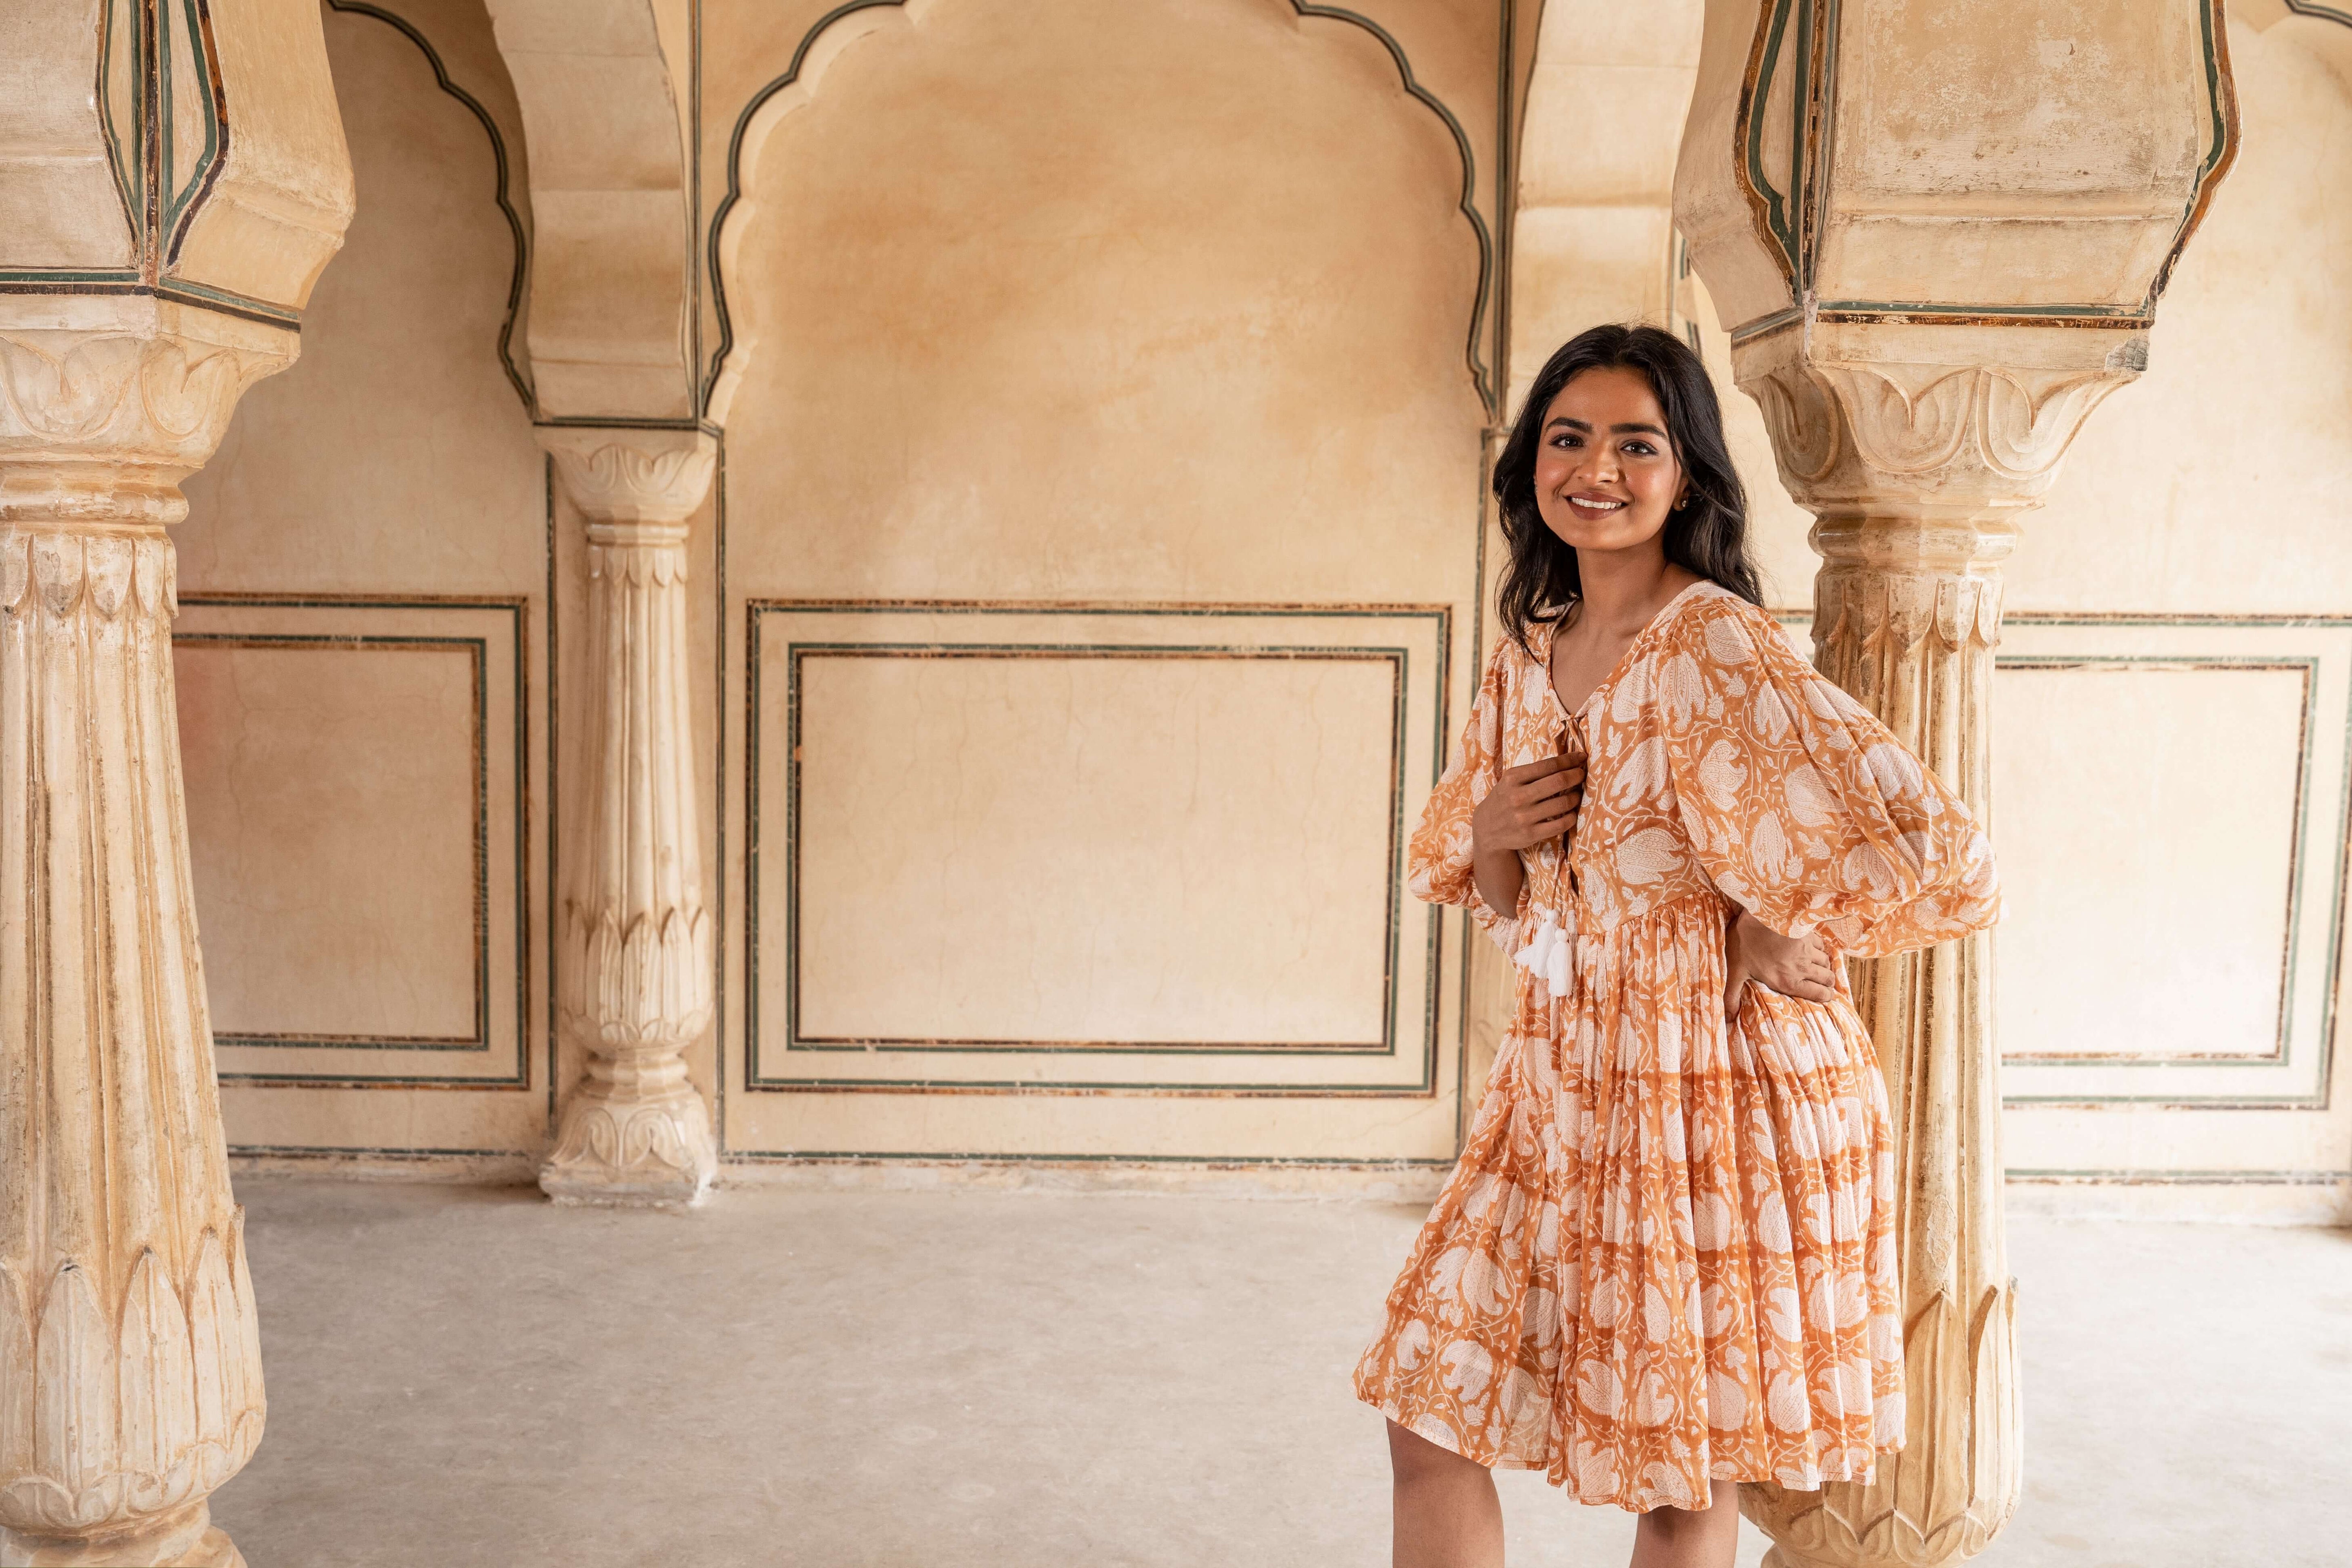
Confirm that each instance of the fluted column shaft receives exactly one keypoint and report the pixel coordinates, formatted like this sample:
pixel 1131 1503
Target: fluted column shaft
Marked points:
pixel 1918 449
pixel 130 1356
pixel 635 977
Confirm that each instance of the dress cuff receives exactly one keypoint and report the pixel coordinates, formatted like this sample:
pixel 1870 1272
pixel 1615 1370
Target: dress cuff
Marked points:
pixel 1502 930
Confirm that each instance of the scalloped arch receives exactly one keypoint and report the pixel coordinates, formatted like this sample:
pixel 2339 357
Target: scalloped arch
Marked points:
pixel 517 376
pixel 845 23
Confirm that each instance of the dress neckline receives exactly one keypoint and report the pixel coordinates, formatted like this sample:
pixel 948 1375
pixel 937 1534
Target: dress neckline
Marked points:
pixel 1624 660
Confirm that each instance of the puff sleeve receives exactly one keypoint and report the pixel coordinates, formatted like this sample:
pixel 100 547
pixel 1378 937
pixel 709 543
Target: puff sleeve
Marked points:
pixel 1805 810
pixel 1438 861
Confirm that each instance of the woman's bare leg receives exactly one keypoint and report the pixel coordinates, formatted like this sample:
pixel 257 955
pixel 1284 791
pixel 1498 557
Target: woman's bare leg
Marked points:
pixel 1447 1515
pixel 1690 1537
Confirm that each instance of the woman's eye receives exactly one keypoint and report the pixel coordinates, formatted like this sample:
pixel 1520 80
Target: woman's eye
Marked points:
pixel 1640 448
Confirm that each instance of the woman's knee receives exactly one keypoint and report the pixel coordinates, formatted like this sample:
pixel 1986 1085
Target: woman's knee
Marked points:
pixel 1413 1457
pixel 1722 1513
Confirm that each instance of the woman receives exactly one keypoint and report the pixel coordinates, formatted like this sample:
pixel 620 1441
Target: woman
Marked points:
pixel 1665 1263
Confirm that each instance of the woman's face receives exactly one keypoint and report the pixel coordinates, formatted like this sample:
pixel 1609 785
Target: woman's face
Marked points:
pixel 1606 475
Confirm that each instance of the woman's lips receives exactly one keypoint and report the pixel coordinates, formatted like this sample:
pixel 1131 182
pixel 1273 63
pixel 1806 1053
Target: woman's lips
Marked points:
pixel 1592 509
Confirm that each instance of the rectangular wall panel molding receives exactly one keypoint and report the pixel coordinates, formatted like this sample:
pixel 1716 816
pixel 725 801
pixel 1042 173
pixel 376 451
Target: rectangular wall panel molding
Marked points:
pixel 358 823
pixel 2171 803
pixel 1019 874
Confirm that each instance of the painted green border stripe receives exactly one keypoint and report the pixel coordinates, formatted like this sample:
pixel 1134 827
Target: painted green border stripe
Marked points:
pixel 1442 620
pixel 517 611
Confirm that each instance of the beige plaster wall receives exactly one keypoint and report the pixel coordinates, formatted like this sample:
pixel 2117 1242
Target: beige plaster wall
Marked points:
pixel 1161 310
pixel 363 655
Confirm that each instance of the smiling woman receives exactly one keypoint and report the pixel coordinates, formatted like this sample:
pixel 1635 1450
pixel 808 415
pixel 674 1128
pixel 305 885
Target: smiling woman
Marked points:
pixel 1667 1259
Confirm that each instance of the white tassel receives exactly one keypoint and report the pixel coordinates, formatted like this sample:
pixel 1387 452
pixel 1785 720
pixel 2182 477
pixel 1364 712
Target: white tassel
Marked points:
pixel 1549 953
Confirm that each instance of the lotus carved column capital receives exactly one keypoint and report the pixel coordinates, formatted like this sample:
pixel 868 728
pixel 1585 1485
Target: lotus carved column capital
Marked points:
pixel 105 408
pixel 618 474
pixel 1931 423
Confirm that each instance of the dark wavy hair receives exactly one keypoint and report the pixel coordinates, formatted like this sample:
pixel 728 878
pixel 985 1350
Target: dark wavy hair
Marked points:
pixel 1708 534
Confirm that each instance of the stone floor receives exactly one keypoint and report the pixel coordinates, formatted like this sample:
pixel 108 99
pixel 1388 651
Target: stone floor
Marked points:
pixel 469 1378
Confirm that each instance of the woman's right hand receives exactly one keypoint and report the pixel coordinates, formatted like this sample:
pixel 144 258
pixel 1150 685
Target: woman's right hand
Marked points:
pixel 1528 806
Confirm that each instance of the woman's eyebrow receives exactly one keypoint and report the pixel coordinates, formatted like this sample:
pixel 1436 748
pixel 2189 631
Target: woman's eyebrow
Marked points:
pixel 1613 429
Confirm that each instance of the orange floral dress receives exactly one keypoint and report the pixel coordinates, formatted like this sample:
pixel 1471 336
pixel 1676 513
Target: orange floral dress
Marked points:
pixel 1667 1255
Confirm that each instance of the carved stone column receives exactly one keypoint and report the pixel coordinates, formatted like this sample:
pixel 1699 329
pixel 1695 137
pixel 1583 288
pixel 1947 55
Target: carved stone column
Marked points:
pixel 130 1359
pixel 635 975
pixel 1917 469
pixel 1934 260
pixel 147 278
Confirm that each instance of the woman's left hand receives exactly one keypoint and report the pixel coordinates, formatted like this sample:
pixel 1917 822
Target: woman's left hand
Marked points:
pixel 1794 966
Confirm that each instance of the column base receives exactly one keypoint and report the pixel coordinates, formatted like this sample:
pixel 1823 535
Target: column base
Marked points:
pixel 632 1153
pixel 189 1540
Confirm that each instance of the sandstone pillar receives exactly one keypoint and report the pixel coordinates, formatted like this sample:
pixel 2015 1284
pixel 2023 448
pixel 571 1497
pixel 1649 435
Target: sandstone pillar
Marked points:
pixel 160 233
pixel 129 1360
pixel 635 975
pixel 1936 248
pixel 1917 470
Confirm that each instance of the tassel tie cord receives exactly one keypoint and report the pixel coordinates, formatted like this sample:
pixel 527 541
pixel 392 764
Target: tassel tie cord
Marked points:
pixel 1550 953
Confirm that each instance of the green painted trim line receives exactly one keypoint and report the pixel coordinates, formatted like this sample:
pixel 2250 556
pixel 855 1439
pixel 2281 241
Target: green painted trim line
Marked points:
pixel 2142 1178
pixel 2121 314
pixel 754 611
pixel 2217 157
pixel 183 292
pixel 183 196
pixel 503 194
pixel 1506 186
pixel 348 1043
pixel 2320 13
pixel 1480 374
pixel 305 1081
pixel 1780 225
pixel 720 781
pixel 2170 1102
pixel 170 290
pixel 554 805
pixel 618 421
pixel 329 1152
pixel 1757 328
pixel 1237 1161
pixel 126 170
pixel 478 651
pixel 516 637
pixel 1439 612
pixel 2132 618
pixel 1397 658
pixel 54 275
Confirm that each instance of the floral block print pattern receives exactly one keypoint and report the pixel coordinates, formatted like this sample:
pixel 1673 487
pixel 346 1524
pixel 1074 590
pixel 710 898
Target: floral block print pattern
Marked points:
pixel 1667 1255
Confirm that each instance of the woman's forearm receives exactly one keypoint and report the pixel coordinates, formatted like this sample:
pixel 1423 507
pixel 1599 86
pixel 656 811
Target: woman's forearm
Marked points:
pixel 1500 876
